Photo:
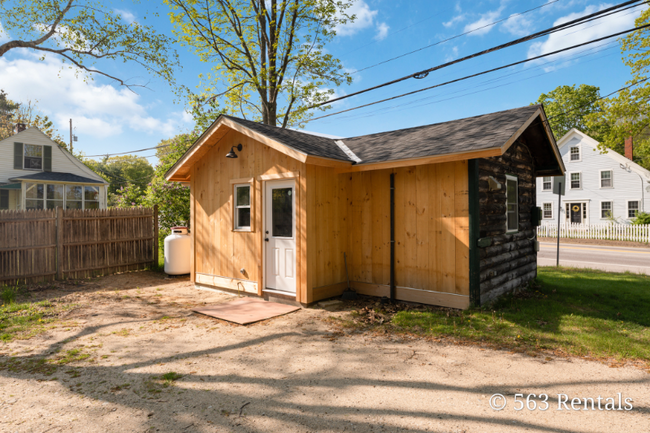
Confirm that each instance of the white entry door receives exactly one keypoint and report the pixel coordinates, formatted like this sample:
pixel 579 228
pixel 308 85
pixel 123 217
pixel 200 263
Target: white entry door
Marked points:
pixel 280 235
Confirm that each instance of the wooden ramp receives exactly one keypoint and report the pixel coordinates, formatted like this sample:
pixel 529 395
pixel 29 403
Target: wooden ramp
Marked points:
pixel 246 310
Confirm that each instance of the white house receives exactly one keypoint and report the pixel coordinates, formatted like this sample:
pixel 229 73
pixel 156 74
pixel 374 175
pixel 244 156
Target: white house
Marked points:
pixel 599 185
pixel 36 173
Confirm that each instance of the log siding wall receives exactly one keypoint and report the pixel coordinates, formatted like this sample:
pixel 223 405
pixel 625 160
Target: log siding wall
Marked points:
pixel 511 261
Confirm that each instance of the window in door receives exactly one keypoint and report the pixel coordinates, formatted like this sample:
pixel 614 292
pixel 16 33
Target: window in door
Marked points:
pixel 512 204
pixel 282 212
pixel 243 207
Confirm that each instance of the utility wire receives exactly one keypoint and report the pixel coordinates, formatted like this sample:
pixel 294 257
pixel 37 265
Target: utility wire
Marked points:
pixel 481 73
pixel 424 73
pixel 126 153
pixel 451 38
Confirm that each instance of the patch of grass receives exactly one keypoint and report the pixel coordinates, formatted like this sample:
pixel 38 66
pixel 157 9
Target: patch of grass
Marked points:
pixel 170 378
pixel 72 355
pixel 24 320
pixel 568 311
pixel 8 294
pixel 124 332
pixel 28 365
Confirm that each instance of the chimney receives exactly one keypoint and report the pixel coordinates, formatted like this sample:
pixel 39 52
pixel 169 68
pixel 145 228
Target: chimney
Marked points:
pixel 629 148
pixel 20 127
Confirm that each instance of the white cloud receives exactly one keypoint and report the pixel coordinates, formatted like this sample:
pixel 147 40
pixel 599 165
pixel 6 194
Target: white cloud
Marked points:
pixel 126 15
pixel 517 25
pixel 453 55
pixel 583 33
pixel 454 20
pixel 480 26
pixel 98 110
pixel 364 19
pixel 382 31
pixel 4 37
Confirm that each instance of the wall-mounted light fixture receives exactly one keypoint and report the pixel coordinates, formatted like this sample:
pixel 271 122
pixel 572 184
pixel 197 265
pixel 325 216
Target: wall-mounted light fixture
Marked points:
pixel 232 153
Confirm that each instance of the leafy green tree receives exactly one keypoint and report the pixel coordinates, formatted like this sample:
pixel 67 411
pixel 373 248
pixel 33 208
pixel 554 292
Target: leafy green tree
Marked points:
pixel 81 33
pixel 567 107
pixel 269 54
pixel 628 112
pixel 12 112
pixel 122 170
pixel 129 195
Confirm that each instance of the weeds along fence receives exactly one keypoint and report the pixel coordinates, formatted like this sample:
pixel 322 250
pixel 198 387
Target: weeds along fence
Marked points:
pixel 612 232
pixel 44 245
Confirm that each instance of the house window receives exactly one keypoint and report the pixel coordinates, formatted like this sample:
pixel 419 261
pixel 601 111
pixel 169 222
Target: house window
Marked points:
pixel 576 181
pixel 243 207
pixel 74 197
pixel 512 204
pixel 4 199
pixel 547 183
pixel 575 153
pixel 54 196
pixel 548 211
pixel 33 157
pixel 605 209
pixel 91 197
pixel 632 209
pixel 34 195
pixel 606 179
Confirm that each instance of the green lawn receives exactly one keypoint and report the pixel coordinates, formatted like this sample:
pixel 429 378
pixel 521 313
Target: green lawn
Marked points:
pixel 25 319
pixel 570 311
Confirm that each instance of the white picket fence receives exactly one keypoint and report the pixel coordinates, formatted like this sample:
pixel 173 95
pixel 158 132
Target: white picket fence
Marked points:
pixel 612 232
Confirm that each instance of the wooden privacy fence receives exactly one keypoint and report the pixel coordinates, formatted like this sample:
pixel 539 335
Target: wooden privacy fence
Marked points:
pixel 43 245
pixel 612 232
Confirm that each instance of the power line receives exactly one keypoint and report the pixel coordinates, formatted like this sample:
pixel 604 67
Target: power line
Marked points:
pixel 126 153
pixel 424 73
pixel 452 38
pixel 481 73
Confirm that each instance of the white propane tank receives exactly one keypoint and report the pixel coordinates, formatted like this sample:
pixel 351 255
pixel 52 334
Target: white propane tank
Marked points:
pixel 177 252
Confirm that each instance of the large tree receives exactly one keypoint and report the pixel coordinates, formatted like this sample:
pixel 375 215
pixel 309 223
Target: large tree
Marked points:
pixel 123 170
pixel 628 112
pixel 81 33
pixel 267 56
pixel 12 112
pixel 567 107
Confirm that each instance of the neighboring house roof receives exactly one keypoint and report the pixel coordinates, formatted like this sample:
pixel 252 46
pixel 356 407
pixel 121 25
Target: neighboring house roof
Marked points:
pixel 52 176
pixel 609 152
pixel 474 137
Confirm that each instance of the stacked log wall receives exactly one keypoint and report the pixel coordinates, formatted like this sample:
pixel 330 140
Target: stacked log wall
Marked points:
pixel 510 262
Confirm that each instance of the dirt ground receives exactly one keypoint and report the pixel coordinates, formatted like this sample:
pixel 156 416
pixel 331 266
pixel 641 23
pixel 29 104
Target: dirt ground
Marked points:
pixel 295 373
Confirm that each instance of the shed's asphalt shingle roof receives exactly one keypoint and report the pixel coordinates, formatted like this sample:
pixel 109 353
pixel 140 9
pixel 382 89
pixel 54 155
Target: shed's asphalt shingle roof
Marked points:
pixel 483 132
pixel 457 136
pixel 303 142
pixel 57 177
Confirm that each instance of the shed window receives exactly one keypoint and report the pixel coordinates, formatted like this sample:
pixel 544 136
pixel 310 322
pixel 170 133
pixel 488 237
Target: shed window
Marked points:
pixel 547 183
pixel 243 207
pixel 632 209
pixel 576 181
pixel 33 159
pixel 512 204
pixel 575 153
pixel 548 211
pixel 605 209
pixel 606 179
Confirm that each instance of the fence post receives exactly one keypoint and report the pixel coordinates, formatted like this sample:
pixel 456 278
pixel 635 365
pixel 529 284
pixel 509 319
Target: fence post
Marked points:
pixel 155 236
pixel 59 243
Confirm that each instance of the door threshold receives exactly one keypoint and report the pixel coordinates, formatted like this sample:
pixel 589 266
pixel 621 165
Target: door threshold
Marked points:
pixel 279 292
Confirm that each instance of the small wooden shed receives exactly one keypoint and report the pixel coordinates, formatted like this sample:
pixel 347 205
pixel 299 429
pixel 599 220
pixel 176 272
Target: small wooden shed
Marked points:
pixel 440 214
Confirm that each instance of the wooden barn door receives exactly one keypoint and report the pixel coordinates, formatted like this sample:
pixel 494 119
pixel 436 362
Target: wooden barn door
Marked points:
pixel 280 236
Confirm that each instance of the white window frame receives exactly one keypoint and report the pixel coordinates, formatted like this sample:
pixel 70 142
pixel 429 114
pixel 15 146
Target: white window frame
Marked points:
pixel 65 199
pixel 236 207
pixel 544 211
pixel 579 173
pixel 611 178
pixel 611 209
pixel 42 157
pixel 579 154
pixel 638 208
pixel 516 180
pixel 550 188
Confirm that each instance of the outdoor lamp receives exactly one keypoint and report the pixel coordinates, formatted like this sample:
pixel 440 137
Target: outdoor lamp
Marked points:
pixel 232 153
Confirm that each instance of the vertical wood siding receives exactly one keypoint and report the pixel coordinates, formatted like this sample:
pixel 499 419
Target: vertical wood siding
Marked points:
pixel 511 261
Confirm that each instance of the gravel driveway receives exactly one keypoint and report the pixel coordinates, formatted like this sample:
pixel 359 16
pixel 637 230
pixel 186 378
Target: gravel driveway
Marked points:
pixel 128 333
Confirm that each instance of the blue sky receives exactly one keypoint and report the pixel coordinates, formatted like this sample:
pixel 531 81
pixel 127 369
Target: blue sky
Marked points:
pixel 111 119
